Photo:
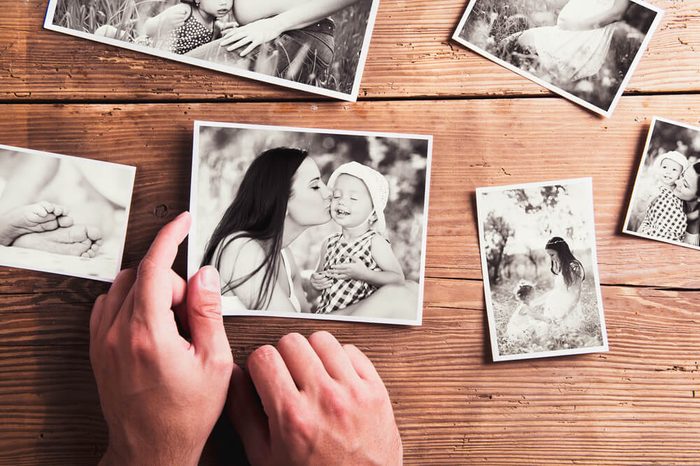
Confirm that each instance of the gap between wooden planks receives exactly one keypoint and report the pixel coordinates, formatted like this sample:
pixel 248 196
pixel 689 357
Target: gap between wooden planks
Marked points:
pixel 411 55
pixel 476 143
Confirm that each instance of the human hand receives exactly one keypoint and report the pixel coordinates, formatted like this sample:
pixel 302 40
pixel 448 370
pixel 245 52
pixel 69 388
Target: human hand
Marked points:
pixel 252 34
pixel 174 17
pixel 160 394
pixel 320 281
pixel 355 270
pixel 322 403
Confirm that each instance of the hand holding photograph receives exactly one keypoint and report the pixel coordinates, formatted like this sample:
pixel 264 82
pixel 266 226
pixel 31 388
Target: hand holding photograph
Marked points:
pixel 316 46
pixel 584 50
pixel 665 204
pixel 62 214
pixel 540 270
pixel 312 223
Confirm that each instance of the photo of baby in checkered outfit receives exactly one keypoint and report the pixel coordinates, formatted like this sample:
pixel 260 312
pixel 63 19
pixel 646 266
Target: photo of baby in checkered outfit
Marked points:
pixel 309 223
pixel 359 259
pixel 665 203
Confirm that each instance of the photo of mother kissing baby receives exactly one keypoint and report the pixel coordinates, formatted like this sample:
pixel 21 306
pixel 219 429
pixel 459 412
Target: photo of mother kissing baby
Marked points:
pixel 304 223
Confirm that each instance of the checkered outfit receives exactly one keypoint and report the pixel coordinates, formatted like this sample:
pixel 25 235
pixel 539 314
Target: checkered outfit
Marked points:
pixel 665 217
pixel 343 293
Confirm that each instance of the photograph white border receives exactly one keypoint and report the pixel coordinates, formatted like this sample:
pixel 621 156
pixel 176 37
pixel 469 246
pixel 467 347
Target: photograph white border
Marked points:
pixel 122 232
pixel 192 267
pixel 557 90
pixel 230 70
pixel 487 285
pixel 633 197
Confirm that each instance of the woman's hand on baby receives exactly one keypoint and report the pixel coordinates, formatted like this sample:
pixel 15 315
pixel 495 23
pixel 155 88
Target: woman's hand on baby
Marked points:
pixel 320 281
pixel 317 403
pixel 354 270
pixel 160 394
pixel 251 36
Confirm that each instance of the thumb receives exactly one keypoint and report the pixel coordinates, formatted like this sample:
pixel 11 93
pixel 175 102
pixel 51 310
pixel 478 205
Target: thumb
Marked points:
pixel 204 313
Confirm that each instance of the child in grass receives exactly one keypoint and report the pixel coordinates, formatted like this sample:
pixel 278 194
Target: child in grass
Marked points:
pixel 359 259
pixel 526 322
pixel 180 28
pixel 188 25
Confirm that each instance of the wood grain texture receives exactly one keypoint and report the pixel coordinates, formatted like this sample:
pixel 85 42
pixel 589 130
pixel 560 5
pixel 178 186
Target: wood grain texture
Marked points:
pixel 452 404
pixel 411 54
pixel 476 143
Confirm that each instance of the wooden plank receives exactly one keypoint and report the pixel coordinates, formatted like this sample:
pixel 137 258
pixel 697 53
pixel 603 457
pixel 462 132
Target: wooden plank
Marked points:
pixel 477 143
pixel 411 52
pixel 637 404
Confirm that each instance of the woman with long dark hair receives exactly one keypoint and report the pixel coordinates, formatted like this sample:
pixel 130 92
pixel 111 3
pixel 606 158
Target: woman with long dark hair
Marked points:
pixel 281 196
pixel 563 303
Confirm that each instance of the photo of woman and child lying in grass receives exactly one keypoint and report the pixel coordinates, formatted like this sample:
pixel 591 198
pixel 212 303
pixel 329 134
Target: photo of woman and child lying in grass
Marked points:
pixel 585 50
pixel 313 45
pixel 540 269
pixel 665 203
pixel 304 223
pixel 63 214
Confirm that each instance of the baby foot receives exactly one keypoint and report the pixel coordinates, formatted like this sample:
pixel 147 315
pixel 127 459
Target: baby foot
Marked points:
pixel 77 240
pixel 42 216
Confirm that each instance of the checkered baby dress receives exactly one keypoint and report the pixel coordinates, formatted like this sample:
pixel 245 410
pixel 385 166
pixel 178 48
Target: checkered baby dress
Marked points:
pixel 190 35
pixel 665 217
pixel 343 293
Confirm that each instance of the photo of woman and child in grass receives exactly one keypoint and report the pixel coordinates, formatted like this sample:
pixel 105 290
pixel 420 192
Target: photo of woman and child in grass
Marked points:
pixel 540 270
pixel 665 203
pixel 312 224
pixel 584 50
pixel 314 45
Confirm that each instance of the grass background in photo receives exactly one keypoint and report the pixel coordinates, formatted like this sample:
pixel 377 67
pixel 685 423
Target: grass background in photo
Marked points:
pixel 491 22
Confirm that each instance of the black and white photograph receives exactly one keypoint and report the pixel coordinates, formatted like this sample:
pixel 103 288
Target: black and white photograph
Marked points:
pixel 62 214
pixel 540 269
pixel 316 46
pixel 665 203
pixel 584 50
pixel 312 223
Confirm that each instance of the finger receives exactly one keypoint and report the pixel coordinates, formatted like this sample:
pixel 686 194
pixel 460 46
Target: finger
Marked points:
pixel 272 379
pixel 363 366
pixel 304 364
pixel 180 301
pixel 244 409
pixel 116 296
pixel 239 44
pixel 249 49
pixel 334 358
pixel 96 316
pixel 231 37
pixel 152 288
pixel 204 314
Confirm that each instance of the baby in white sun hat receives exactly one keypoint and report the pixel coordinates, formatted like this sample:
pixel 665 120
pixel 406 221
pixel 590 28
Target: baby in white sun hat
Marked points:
pixel 357 261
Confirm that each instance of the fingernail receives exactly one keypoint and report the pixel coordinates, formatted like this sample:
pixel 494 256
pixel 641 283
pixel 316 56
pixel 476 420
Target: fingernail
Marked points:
pixel 209 278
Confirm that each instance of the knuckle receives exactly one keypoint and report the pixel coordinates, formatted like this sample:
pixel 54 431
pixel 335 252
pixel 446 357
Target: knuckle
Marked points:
pixel 322 336
pixel 335 402
pixel 222 361
pixel 301 427
pixel 142 346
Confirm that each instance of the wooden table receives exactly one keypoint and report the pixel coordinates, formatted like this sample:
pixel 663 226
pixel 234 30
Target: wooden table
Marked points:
pixel 637 404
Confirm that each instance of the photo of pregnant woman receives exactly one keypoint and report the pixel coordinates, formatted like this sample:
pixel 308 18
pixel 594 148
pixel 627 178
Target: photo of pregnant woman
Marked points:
pixel 312 223
pixel 540 270
pixel 63 214
pixel 317 46
pixel 584 50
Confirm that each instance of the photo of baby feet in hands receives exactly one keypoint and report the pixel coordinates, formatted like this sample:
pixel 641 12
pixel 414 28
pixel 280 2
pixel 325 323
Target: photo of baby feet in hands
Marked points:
pixel 62 214
pixel 32 218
